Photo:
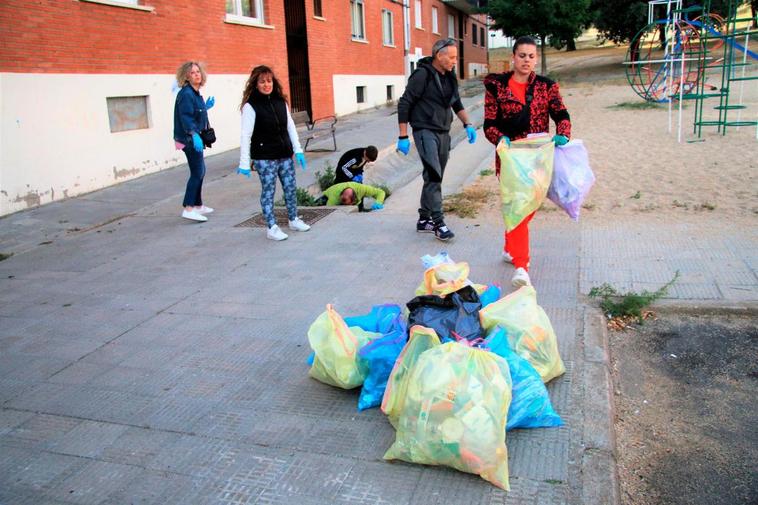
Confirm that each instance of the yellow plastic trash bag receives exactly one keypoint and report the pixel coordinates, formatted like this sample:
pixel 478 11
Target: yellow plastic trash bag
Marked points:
pixel 456 411
pixel 421 339
pixel 443 279
pixel 336 346
pixel 526 169
pixel 530 333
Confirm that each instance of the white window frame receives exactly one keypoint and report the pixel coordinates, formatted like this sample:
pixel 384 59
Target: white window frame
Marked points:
pixel 388 28
pixel 417 15
pixel 355 7
pixel 238 17
pixel 450 26
pixel 128 4
pixel 435 21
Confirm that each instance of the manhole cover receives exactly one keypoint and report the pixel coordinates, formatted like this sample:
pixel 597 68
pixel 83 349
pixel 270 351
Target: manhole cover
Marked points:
pixel 309 215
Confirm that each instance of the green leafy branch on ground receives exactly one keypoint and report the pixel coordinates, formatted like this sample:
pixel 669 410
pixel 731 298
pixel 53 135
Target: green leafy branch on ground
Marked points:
pixel 630 304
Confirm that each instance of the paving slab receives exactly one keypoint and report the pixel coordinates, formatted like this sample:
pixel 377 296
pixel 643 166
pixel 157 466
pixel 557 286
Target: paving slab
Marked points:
pixel 146 358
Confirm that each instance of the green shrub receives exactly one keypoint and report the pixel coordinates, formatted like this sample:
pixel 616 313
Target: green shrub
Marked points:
pixel 305 199
pixel 386 190
pixel 326 179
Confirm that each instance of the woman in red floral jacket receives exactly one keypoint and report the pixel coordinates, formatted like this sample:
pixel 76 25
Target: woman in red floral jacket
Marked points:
pixel 518 103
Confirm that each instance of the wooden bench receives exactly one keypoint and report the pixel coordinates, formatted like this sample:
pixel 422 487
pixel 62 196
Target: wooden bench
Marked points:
pixel 311 130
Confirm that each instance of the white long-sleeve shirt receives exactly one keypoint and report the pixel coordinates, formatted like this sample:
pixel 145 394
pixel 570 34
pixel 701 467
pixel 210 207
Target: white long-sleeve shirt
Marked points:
pixel 248 125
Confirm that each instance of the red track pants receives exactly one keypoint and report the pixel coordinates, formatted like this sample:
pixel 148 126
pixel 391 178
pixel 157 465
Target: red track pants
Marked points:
pixel 517 243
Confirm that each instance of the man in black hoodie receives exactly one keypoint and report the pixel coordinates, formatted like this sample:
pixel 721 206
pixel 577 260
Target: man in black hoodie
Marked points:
pixel 431 93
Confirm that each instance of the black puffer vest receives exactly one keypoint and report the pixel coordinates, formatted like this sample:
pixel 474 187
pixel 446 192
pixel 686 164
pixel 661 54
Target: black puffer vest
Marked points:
pixel 270 140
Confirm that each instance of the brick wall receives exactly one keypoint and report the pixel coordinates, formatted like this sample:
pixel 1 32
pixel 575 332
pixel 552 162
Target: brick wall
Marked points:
pixel 331 49
pixel 425 37
pixel 69 36
pixel 72 36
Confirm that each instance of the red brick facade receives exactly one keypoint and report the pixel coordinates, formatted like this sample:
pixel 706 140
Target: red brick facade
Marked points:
pixel 424 37
pixel 73 36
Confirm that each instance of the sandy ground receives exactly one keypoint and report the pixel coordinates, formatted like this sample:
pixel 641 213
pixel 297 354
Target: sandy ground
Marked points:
pixel 640 166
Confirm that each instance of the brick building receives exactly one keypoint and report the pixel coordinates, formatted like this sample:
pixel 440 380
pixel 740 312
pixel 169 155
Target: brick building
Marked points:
pixel 86 86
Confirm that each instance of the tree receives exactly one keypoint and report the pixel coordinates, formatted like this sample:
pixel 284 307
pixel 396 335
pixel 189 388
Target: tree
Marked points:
pixel 620 20
pixel 558 20
pixel 571 19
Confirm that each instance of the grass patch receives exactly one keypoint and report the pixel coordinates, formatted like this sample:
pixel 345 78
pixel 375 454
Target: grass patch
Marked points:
pixel 486 172
pixel 627 305
pixel 680 205
pixel 636 196
pixel 468 202
pixel 635 105
pixel 5 256
pixel 705 206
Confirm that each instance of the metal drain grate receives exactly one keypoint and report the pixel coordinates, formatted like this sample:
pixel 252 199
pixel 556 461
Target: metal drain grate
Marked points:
pixel 309 215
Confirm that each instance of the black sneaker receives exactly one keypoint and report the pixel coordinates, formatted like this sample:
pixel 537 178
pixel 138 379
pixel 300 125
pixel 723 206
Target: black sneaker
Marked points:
pixel 442 232
pixel 425 226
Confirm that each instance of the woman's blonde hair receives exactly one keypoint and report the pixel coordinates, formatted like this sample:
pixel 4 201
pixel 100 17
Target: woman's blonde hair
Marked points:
pixel 182 74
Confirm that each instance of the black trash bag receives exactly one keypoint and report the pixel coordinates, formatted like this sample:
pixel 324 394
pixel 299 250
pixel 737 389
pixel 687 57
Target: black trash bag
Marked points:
pixel 455 312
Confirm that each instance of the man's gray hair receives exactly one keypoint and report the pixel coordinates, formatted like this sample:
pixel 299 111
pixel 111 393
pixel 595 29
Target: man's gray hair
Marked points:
pixel 442 44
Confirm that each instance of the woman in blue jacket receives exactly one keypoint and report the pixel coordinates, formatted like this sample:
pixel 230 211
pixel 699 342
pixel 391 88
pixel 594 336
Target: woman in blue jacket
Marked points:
pixel 190 118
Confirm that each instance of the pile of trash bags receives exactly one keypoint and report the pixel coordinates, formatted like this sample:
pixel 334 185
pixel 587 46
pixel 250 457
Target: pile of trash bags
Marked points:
pixel 534 168
pixel 453 370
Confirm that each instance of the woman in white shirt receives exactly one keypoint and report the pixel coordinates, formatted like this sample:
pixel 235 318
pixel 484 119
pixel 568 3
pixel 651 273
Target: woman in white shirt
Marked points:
pixel 269 139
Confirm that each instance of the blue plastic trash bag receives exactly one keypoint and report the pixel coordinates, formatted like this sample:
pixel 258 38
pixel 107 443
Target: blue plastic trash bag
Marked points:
pixel 530 403
pixel 379 320
pixel 491 294
pixel 572 178
pixel 380 356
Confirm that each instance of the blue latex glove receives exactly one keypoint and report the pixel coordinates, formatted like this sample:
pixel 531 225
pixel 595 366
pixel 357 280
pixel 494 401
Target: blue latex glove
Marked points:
pixel 560 140
pixel 197 142
pixel 404 146
pixel 210 102
pixel 507 140
pixel 471 133
pixel 358 178
pixel 301 159
pixel 244 171
pixel 377 206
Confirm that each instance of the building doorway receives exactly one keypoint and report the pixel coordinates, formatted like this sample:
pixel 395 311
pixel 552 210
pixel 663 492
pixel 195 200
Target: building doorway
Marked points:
pixel 297 56
pixel 461 40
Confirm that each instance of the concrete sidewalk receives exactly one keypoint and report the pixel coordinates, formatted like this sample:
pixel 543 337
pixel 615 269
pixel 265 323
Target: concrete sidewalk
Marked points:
pixel 24 231
pixel 147 359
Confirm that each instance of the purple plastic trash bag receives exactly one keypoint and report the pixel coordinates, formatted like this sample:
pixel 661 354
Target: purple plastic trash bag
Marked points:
pixel 572 178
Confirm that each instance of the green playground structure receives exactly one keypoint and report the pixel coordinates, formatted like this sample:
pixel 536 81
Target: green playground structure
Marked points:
pixel 670 59
pixel 733 63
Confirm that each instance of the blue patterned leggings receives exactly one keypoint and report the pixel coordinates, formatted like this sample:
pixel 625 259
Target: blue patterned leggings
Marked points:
pixel 268 170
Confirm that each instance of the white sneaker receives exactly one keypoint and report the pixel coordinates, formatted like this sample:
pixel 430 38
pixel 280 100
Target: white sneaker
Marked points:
pixel 275 233
pixel 193 215
pixel 520 278
pixel 299 225
pixel 203 209
pixel 507 257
